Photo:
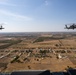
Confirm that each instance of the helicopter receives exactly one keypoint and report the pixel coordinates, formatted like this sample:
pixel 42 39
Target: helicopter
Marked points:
pixel 72 26
pixel 1 27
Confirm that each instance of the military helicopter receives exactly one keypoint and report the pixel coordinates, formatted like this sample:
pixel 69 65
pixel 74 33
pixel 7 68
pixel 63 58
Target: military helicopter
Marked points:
pixel 1 27
pixel 72 26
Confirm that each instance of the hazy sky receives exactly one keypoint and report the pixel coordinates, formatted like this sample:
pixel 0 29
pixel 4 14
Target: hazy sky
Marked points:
pixel 37 15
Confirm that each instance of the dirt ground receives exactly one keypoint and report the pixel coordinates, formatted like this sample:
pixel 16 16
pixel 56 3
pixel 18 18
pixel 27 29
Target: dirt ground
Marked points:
pixel 52 64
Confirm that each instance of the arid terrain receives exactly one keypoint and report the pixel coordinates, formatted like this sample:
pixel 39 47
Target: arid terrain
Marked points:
pixel 37 51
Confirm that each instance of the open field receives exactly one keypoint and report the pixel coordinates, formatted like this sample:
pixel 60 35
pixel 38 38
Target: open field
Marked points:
pixel 55 52
pixel 54 44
